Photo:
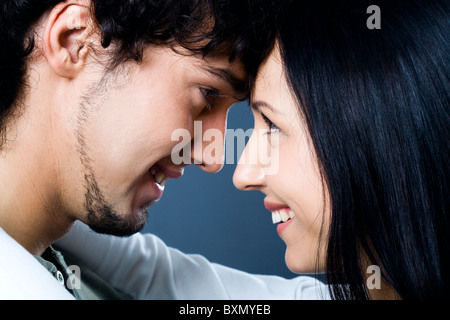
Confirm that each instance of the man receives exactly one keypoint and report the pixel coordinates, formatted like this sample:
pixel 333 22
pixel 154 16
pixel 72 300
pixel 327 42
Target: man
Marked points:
pixel 91 94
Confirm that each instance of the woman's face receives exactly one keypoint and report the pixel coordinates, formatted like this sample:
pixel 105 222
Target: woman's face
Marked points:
pixel 294 190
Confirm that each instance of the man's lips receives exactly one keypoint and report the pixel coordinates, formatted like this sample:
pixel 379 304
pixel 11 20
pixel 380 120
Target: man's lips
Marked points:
pixel 156 180
pixel 161 174
pixel 171 173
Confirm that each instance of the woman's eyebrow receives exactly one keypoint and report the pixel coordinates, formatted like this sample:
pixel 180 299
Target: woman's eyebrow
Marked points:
pixel 239 86
pixel 257 105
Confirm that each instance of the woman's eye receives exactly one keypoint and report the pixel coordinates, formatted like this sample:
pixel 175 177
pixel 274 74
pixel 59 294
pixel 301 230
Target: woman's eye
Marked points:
pixel 272 127
pixel 210 95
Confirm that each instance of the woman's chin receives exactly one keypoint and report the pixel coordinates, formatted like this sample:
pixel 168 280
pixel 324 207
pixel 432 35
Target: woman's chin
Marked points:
pixel 302 261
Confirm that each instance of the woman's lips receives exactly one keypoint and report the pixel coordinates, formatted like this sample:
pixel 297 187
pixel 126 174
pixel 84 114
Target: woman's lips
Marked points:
pixel 281 215
pixel 283 225
pixel 272 206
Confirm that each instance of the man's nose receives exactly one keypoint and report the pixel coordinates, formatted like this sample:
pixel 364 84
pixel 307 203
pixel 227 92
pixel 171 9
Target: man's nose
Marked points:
pixel 208 148
pixel 249 175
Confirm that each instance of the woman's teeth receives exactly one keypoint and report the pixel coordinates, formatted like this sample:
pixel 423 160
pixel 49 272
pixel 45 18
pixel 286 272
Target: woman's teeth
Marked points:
pixel 159 177
pixel 282 216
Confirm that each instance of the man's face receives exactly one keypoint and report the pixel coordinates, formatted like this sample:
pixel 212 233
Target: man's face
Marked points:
pixel 118 155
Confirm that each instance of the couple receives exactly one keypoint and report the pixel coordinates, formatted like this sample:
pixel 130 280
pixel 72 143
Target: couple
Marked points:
pixel 359 118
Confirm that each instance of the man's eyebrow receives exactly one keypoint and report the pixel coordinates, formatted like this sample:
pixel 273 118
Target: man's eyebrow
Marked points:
pixel 239 86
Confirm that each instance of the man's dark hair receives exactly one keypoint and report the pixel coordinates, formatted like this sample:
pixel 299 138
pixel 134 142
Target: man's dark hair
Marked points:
pixel 237 28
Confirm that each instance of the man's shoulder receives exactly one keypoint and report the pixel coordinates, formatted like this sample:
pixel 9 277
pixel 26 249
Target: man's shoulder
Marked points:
pixel 23 277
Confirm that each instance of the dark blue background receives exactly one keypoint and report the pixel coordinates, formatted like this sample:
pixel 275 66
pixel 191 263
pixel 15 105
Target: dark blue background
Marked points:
pixel 205 214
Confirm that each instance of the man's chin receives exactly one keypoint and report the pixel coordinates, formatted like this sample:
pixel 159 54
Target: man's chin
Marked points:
pixel 115 225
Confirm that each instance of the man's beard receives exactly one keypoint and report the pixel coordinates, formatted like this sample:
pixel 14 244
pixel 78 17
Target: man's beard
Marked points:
pixel 100 215
pixel 103 218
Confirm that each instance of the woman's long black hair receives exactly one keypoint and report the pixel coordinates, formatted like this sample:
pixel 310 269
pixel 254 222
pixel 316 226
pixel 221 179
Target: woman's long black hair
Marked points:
pixel 376 102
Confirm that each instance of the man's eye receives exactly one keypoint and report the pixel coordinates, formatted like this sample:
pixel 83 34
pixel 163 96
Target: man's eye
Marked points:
pixel 210 95
pixel 272 127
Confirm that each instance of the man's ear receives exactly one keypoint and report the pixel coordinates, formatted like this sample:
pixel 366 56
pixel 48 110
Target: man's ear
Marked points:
pixel 64 37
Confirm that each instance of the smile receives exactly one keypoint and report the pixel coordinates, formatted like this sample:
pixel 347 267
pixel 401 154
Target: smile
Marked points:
pixel 282 215
pixel 153 186
pixel 159 176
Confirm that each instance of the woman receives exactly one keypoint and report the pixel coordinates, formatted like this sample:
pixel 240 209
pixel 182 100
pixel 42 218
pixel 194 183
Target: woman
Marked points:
pixel 359 118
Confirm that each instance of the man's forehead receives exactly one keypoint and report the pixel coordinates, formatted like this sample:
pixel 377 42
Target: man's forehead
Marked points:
pixel 222 62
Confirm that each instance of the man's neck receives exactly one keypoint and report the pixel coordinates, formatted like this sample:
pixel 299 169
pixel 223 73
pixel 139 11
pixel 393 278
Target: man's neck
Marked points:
pixel 30 208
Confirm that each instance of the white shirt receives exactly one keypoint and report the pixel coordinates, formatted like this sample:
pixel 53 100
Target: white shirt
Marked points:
pixel 144 267
pixel 22 277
